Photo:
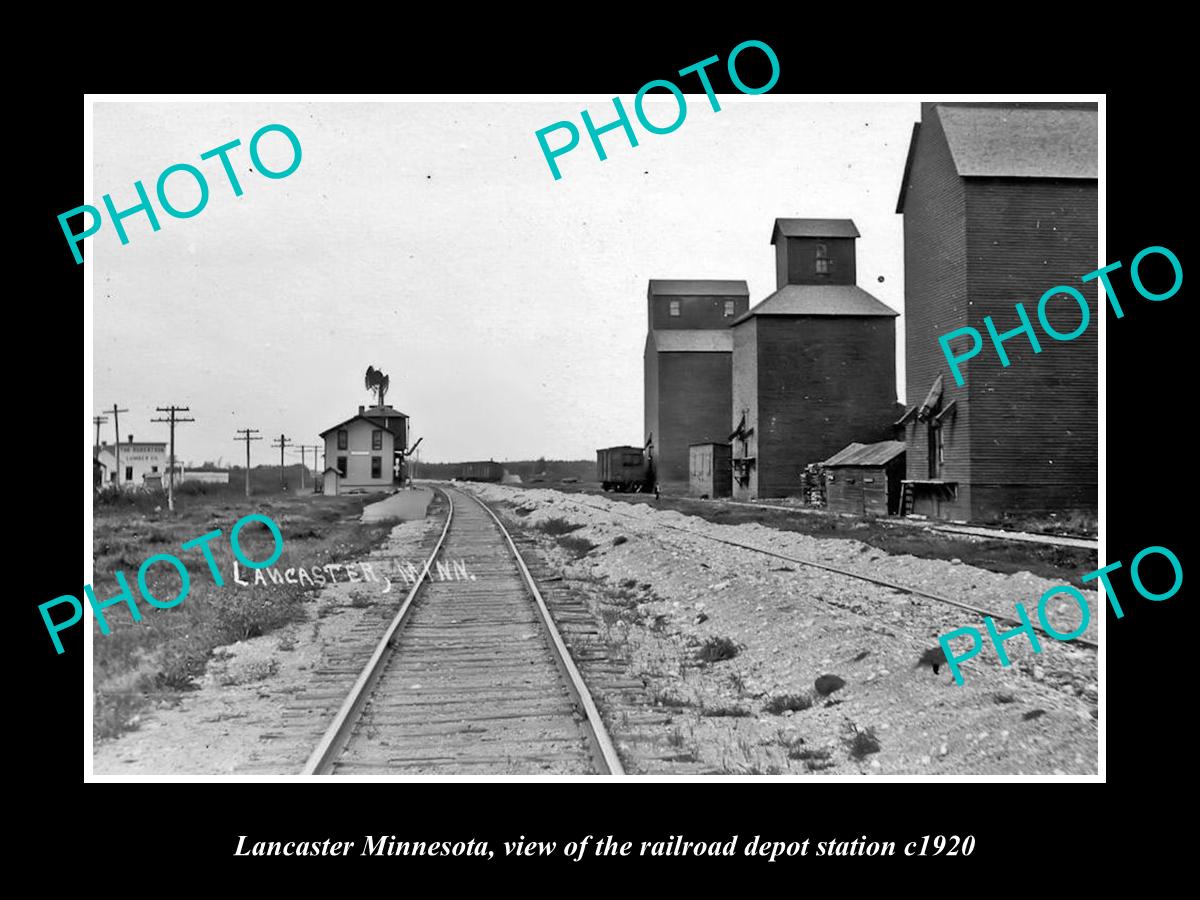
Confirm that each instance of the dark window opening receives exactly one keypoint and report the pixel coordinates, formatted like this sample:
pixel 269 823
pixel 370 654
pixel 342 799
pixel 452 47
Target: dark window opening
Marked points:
pixel 376 466
pixel 824 265
pixel 129 473
pixel 341 466
pixel 377 439
pixel 343 439
pixel 935 452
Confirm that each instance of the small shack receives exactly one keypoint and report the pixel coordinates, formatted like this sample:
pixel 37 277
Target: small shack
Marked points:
pixel 329 484
pixel 865 479
pixel 710 470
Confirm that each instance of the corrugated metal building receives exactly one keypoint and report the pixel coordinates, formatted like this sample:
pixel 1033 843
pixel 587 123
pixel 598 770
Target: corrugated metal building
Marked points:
pixel 687 360
pixel 865 479
pixel 999 205
pixel 814 364
pixel 710 470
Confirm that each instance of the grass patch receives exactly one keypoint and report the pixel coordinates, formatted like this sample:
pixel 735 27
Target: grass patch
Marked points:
pixel 777 706
pixel 152 661
pixel 814 758
pixel 556 527
pixel 726 711
pixel 716 649
pixel 581 547
pixel 863 743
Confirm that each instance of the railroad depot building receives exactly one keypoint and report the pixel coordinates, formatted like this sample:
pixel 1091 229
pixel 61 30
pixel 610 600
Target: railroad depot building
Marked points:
pixel 367 450
pixel 814 364
pixel 143 463
pixel 688 369
pixel 1000 204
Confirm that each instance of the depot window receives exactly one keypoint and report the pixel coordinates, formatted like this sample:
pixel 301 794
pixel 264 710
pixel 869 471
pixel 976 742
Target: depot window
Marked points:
pixel 377 439
pixel 341 466
pixel 343 439
pixel 376 466
pixel 728 308
pixel 674 307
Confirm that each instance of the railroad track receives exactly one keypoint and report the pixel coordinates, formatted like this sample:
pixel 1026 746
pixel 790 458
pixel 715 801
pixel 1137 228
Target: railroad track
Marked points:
pixel 470 676
pixel 860 576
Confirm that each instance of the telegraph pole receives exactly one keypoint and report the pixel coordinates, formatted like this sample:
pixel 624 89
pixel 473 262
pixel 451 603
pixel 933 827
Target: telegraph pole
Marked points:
pixel 172 410
pixel 281 442
pixel 303 448
pixel 117 430
pixel 98 421
pixel 245 435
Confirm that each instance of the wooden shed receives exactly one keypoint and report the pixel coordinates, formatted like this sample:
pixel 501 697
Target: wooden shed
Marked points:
pixel 710 470
pixel 865 479
pixel 330 484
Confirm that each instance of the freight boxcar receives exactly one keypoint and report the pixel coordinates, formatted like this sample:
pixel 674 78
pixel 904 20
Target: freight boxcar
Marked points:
pixel 624 469
pixel 482 471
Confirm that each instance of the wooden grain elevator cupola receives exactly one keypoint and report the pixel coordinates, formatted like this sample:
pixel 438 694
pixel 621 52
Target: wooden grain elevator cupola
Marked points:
pixel 814 251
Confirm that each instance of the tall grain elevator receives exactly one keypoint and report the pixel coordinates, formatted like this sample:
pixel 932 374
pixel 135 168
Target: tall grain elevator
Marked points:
pixel 814 364
pixel 688 369
pixel 1000 205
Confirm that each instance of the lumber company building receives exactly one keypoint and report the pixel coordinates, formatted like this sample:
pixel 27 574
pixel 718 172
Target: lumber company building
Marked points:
pixel 143 463
pixel 1000 205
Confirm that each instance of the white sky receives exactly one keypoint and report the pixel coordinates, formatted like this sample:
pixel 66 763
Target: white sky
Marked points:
pixel 431 241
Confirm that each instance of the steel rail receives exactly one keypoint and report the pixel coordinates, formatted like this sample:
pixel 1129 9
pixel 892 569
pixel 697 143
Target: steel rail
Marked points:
pixel 604 753
pixel 869 578
pixel 334 741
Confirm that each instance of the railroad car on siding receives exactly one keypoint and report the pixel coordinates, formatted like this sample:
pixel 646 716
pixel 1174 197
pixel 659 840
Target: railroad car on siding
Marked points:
pixel 481 471
pixel 624 469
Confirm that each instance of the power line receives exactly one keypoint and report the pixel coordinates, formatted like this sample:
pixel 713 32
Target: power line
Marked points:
pixel 303 463
pixel 281 442
pixel 98 421
pixel 117 431
pixel 172 419
pixel 244 434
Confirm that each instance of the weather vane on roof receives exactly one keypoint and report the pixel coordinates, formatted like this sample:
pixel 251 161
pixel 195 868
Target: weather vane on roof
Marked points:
pixel 378 382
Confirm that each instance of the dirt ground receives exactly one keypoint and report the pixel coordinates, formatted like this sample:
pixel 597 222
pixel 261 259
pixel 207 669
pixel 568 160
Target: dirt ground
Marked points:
pixel 824 673
pixel 756 665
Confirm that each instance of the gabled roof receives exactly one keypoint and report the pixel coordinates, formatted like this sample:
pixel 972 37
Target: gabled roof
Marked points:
pixel 1001 141
pixel 866 454
pixel 377 421
pixel 815 228
pixel 692 340
pixel 819 300
pixel 990 142
pixel 676 287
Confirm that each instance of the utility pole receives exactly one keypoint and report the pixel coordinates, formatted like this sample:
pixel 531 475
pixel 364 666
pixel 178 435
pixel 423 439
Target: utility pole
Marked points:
pixel 245 435
pixel 172 419
pixel 117 430
pixel 98 421
pixel 281 442
pixel 303 449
